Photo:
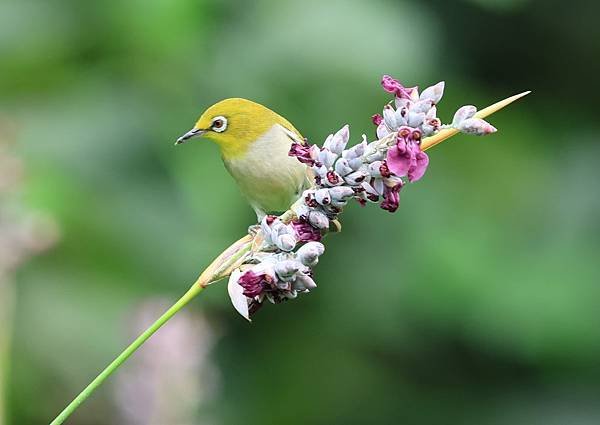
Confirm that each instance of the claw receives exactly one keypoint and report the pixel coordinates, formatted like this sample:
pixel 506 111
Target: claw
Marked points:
pixel 253 229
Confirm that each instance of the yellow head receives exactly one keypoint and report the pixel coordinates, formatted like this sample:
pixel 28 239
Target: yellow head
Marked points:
pixel 234 124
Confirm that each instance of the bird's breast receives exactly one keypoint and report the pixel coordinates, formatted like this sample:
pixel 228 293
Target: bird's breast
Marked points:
pixel 266 174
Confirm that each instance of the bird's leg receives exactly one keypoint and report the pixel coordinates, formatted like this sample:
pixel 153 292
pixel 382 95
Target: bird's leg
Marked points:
pixel 253 229
pixel 260 214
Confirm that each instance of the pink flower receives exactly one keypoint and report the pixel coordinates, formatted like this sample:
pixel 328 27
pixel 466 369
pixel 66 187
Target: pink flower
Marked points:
pixel 391 197
pixel 406 158
pixel 305 231
pixel 377 119
pixel 419 166
pixel 304 153
pixel 399 156
pixel 392 85
pixel 255 284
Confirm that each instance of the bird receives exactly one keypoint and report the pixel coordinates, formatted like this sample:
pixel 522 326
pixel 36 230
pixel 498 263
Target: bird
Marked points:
pixel 254 142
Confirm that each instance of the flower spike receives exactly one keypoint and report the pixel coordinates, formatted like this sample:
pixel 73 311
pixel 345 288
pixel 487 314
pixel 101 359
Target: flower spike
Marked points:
pixel 280 266
pixel 275 264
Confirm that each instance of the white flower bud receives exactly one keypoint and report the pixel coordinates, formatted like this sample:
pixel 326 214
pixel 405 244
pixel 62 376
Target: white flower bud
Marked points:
pixel 318 219
pixel 431 114
pixel 389 117
pixel 401 116
pixel 422 106
pixel 355 163
pixel 378 186
pixel 321 171
pixel 273 231
pixel 266 229
pixel 369 189
pixel 382 131
pixel 476 126
pixel 415 119
pixel 322 196
pixel 349 154
pixel 278 227
pixel 342 167
pixel 374 156
pixel 327 158
pixel 327 141
pixel 463 113
pixel 301 209
pixel 361 147
pixel 309 253
pixel 338 141
pixel 414 94
pixel 286 242
pixel 355 178
pixel 356 150
pixel 314 151
pixel 374 167
pixel 401 102
pixel 430 126
pixel 304 283
pixel 433 93
pixel 339 193
pixel 286 269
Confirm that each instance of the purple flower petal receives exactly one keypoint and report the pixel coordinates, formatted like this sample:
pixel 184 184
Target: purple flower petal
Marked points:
pixel 392 85
pixel 305 231
pixel 399 159
pixel 391 198
pixel 377 119
pixel 254 283
pixel 419 166
pixel 389 84
pixel 304 153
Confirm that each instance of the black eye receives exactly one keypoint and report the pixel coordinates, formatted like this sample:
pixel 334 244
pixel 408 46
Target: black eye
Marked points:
pixel 218 124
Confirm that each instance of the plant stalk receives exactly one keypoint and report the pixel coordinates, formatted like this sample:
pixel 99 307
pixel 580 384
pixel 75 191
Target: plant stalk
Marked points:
pixel 218 269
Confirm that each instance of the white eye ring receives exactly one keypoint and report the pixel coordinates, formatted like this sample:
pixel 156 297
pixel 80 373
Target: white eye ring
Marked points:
pixel 219 124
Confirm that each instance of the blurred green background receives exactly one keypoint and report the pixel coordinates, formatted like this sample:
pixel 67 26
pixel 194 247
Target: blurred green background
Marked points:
pixel 477 303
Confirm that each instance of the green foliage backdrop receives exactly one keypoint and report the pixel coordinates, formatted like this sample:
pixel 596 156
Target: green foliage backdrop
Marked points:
pixel 477 303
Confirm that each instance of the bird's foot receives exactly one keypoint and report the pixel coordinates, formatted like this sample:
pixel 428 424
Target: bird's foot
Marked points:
pixel 253 230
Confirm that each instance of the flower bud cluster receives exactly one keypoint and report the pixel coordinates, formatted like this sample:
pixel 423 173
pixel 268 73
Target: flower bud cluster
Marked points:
pixel 368 172
pixel 274 276
pixel 419 112
pixel 360 172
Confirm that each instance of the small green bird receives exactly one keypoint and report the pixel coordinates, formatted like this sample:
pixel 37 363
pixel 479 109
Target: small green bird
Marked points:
pixel 254 143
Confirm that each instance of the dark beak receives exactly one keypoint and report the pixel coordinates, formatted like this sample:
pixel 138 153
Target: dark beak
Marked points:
pixel 194 132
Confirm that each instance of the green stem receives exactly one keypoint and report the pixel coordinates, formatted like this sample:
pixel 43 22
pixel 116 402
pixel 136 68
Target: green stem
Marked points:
pixel 220 268
pixel 186 298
